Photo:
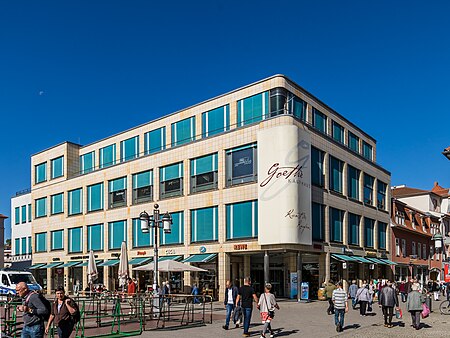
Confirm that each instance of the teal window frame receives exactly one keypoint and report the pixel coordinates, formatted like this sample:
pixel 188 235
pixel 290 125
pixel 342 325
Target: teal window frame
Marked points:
pixel 297 107
pixel 75 201
pixel 107 156
pixel 242 220
pixel 381 195
pixel 57 240
pixel 87 163
pixel 368 189
pixel 41 207
pixel 95 237
pixel 29 245
pixel 216 121
pixel 57 165
pixel 17 215
pixel 177 234
pixel 336 225
pixel 142 187
pixel 382 236
pixel 204 224
pixel 117 192
pixel 353 176
pixel 117 233
pixel 367 151
pixel 253 109
pixel 23 216
pixel 129 149
pixel 183 131
pixel 29 212
pixel 336 174
pixel 317 167
pixel 75 240
pixel 353 228
pixel 17 246
pixel 93 204
pixel 155 141
pixel 23 249
pixel 319 120
pixel 171 180
pixel 57 204
pixel 40 172
pixel 141 239
pixel 353 142
pixel 318 221
pixel 369 226
pixel 204 173
pixel 337 131
pixel 241 165
pixel 40 242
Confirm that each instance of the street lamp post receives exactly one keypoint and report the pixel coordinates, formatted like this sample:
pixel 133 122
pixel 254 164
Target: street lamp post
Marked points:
pixel 155 222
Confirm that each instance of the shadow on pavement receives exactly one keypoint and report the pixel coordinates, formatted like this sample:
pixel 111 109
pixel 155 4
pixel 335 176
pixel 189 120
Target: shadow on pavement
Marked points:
pixel 280 333
pixel 349 327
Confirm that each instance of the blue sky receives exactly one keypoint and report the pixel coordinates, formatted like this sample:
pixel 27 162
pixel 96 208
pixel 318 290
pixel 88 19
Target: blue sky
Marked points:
pixel 83 70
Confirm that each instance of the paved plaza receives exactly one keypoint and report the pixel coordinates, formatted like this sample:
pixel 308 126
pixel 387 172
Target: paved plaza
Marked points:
pixel 310 319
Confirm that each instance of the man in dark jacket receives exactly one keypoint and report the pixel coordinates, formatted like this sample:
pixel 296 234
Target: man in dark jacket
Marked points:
pixel 231 293
pixel 388 299
pixel 33 310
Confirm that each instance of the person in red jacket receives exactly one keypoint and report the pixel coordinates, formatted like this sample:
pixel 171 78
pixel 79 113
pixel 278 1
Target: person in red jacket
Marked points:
pixel 131 292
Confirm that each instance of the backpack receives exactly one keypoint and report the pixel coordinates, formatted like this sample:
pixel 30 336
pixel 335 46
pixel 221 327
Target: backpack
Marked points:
pixel 76 316
pixel 44 301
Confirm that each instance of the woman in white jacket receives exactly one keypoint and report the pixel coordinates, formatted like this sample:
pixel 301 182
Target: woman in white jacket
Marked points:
pixel 363 298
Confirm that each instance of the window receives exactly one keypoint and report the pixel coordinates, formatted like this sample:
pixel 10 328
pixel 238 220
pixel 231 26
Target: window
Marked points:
pixel 87 163
pixel 23 250
pixel 17 246
pixel 143 187
pixel 29 245
pixel 367 151
pixel 242 220
pixel 40 172
pixel 117 195
pixel 338 132
pixel 76 240
pixel 397 247
pixel 216 121
pixel 252 109
pixel 95 197
pixel 183 131
pixel 41 207
pixel 413 248
pixel 204 173
pixel 317 174
pixel 29 212
pixel 155 141
pixel 141 239
pixel 107 156
pixel 319 121
pixel 382 235
pixel 204 225
pixel 404 253
pixel 241 165
pixel 336 169
pixel 381 195
pixel 57 167
pixel 336 222
pixel 399 217
pixel 353 183
pixel 368 189
pixel 353 229
pixel 75 201
pixel 41 242
pixel 95 237
pixel 57 203
pixel 117 233
pixel 24 214
pixel 176 236
pixel 368 232
pixel 297 107
pixel 129 149
pixel 424 251
pixel 171 181
pixel 17 215
pixel 419 250
pixel 278 101
pixel 431 252
pixel 57 240
pixel 318 221
pixel 353 142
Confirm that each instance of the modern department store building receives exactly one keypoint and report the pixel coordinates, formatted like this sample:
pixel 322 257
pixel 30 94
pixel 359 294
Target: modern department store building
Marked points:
pixel 260 182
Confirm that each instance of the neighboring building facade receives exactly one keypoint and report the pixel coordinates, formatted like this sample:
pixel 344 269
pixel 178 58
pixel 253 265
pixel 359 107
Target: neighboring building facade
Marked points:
pixel 21 230
pixel 2 240
pixel 263 181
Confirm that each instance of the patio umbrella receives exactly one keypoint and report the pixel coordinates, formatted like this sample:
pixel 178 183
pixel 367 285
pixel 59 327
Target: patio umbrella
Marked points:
pixel 92 268
pixel 168 266
pixel 123 265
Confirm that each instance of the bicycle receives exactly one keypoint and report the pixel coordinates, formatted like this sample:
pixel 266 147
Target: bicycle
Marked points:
pixel 444 307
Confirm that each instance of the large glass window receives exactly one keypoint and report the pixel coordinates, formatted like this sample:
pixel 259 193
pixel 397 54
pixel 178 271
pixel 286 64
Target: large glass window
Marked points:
pixel 317 174
pixel 204 173
pixel 338 132
pixel 367 151
pixel 95 235
pixel 57 240
pixel 107 156
pixel 382 236
pixel 41 207
pixel 353 229
pixel 40 172
pixel 176 236
pixel 297 107
pixel 353 142
pixel 318 219
pixel 242 220
pixel 117 196
pixel 75 201
pixel 171 180
pixel 143 187
pixel 17 246
pixel 155 141
pixel 353 182
pixel 141 239
pixel 129 149
pixel 252 109
pixel 57 203
pixel 76 240
pixel 336 170
pixel 29 212
pixel 368 189
pixel 117 233
pixel 381 195
pixel 23 250
pixel 41 242
pixel 204 224
pixel 17 215
pixel 241 165
pixel 319 120
pixel 95 197
pixel 368 232
pixel 87 163
pixel 24 214
pixel 336 224
pixel 57 167
pixel 29 245
pixel 183 131
pixel 216 121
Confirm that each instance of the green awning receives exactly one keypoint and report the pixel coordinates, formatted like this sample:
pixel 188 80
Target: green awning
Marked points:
pixel 37 266
pixel 110 262
pixel 362 259
pixel 85 263
pixel 69 264
pixel 377 261
pixel 344 258
pixel 52 265
pixel 388 261
pixel 200 258
pixel 166 258
pixel 139 260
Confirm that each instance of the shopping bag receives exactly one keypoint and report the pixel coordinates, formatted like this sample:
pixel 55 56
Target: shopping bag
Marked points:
pixel 425 310
pixel 398 313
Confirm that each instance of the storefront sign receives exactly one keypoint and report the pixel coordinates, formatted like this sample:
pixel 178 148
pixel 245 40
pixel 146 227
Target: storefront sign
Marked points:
pixel 304 288
pixel 202 249
pixel 240 247
pixel 294 288
pixel 170 251
pixel 447 273
pixel 284 190
pixel 141 253
pixel 371 253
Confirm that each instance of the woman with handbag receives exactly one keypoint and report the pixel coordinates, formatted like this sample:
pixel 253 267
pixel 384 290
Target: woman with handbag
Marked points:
pixel 267 305
pixel 414 305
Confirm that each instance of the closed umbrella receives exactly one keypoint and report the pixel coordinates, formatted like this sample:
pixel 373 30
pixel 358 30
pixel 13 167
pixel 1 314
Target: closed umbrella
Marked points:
pixel 92 268
pixel 168 266
pixel 123 265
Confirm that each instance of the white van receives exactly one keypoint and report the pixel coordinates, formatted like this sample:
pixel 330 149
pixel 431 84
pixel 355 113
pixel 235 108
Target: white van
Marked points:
pixel 10 278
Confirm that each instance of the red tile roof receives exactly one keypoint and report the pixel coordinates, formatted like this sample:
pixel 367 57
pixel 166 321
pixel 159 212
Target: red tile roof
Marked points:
pixel 407 191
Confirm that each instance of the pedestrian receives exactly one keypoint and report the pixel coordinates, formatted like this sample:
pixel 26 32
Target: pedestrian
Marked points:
pixel 447 291
pixel 267 305
pixel 195 292
pixel 372 294
pixel 246 296
pixel 131 293
pixel 363 298
pixel 402 290
pixel 339 298
pixel 436 290
pixel 231 293
pixel 35 308
pixel 329 288
pixel 388 299
pixel 352 289
pixel 414 305
pixel 62 314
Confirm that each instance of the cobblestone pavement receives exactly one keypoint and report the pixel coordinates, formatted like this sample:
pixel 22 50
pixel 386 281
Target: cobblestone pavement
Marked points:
pixel 310 320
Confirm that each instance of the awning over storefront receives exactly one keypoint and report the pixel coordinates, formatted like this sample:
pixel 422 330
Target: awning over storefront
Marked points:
pixel 36 266
pixel 377 261
pixel 111 262
pixel 388 261
pixel 200 258
pixel 20 266
pixel 344 258
pixel 166 258
pixel 362 259
pixel 85 263
pixel 70 264
pixel 52 265
pixel 139 260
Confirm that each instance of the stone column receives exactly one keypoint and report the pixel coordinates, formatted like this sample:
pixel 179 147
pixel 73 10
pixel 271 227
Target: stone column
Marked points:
pixel 49 281
pixel 224 273
pixel 327 266
pixel 246 266
pixel 266 267
pixel 299 274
